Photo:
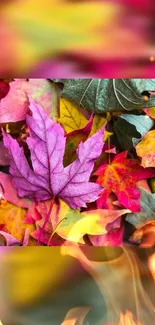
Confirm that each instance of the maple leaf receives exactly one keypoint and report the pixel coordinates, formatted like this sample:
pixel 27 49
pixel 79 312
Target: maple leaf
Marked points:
pixel 120 177
pixel 48 178
pixel 146 149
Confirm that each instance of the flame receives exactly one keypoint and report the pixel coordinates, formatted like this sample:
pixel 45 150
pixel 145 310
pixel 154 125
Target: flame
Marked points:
pixel 152 265
pixel 127 319
pixel 76 316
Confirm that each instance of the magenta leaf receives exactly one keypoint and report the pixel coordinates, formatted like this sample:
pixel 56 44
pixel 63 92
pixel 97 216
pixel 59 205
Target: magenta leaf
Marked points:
pixel 48 178
pixel 8 240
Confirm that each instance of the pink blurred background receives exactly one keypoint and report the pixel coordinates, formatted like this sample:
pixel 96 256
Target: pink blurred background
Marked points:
pixel 62 38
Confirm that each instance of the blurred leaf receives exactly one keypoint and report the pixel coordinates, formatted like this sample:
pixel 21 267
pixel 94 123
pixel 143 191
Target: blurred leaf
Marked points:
pixel 104 95
pixel 56 27
pixel 35 271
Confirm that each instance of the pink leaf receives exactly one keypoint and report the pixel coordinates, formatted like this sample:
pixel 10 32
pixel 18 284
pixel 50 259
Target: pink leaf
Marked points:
pixel 9 192
pixel 10 240
pixel 112 238
pixel 15 104
pixel 13 107
pixel 4 156
pixel 49 179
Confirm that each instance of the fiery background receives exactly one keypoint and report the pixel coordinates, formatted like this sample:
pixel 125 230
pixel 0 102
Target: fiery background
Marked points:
pixel 77 285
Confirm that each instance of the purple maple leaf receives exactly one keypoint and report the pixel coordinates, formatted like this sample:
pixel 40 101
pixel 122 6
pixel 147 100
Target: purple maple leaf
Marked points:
pixel 48 178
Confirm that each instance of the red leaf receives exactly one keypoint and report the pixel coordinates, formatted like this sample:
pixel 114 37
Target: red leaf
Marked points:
pixel 120 177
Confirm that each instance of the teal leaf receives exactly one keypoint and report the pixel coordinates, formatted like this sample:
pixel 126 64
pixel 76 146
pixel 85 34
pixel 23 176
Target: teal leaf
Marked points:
pixel 147 213
pixel 130 128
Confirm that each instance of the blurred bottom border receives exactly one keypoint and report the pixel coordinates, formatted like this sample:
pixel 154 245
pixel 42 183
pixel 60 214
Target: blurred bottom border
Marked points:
pixel 77 285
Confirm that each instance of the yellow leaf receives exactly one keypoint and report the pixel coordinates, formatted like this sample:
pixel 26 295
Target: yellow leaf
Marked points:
pixel 107 135
pixel 12 220
pixel 150 112
pixel 70 116
pixel 98 123
pixel 74 225
pixel 87 224
pixel 146 149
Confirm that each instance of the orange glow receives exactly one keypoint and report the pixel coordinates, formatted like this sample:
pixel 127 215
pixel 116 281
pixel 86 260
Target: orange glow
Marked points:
pixel 152 58
pixel 152 265
pixel 127 319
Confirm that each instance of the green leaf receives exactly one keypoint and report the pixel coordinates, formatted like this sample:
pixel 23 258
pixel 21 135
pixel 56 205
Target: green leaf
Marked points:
pixel 108 95
pixel 130 128
pixel 147 213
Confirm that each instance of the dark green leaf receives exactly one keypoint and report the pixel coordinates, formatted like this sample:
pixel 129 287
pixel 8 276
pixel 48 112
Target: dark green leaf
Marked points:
pixel 108 95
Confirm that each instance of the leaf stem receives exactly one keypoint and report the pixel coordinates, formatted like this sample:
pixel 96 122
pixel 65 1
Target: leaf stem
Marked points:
pixel 55 230
pixel 45 222
pixel 109 149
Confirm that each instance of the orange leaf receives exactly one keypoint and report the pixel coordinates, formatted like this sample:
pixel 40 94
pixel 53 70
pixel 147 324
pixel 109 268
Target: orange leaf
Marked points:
pixel 12 221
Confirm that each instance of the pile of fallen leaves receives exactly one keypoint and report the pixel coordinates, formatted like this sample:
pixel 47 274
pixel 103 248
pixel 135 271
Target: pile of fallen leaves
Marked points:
pixel 77 160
